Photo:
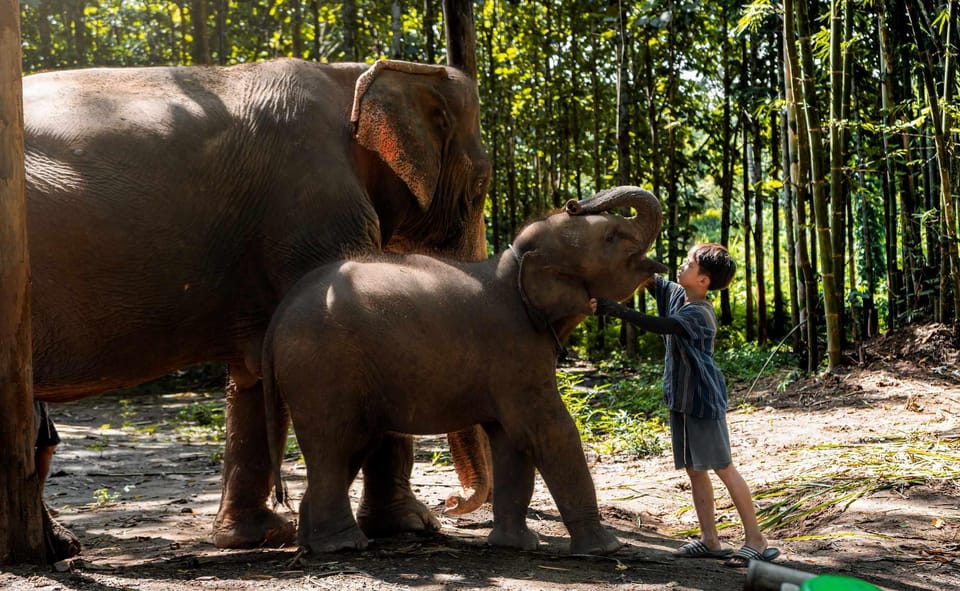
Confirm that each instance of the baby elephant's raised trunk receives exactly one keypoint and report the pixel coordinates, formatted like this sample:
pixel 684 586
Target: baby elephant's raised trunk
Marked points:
pixel 644 202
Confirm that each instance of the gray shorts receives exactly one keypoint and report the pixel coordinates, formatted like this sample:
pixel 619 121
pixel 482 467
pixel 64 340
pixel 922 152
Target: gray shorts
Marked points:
pixel 701 444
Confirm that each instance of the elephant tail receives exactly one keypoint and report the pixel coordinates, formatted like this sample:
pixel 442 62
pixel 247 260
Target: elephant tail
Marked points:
pixel 277 417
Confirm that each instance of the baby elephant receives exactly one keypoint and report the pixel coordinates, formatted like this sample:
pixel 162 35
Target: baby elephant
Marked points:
pixel 415 344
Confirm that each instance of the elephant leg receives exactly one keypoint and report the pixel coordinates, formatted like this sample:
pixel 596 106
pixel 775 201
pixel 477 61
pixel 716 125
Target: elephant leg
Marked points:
pixel 244 521
pixel 388 506
pixel 558 454
pixel 513 475
pixel 60 541
pixel 326 518
pixel 470 450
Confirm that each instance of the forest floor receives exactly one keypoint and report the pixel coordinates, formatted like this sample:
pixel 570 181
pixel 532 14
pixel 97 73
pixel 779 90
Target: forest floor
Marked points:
pixel 862 466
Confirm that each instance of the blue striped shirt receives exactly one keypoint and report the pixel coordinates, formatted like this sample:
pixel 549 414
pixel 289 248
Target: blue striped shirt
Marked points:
pixel 692 382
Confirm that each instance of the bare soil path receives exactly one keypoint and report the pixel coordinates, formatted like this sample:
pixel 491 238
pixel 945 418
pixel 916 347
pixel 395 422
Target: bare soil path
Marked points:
pixel 141 490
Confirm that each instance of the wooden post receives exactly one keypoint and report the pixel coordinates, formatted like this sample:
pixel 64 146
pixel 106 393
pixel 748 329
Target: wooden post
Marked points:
pixel 21 517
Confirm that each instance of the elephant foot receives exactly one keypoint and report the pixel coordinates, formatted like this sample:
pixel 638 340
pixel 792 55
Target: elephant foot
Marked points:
pixel 348 539
pixel 597 540
pixel 253 529
pixel 518 539
pixel 60 541
pixel 404 515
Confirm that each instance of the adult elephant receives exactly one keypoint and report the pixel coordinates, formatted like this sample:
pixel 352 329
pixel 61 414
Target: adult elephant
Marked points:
pixel 170 208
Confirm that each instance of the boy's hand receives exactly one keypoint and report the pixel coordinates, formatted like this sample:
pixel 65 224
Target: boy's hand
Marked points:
pixel 605 307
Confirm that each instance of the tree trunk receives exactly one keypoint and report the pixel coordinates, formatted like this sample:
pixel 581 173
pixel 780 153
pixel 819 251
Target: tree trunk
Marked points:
pixel 838 151
pixel 79 32
pixel 756 180
pixel 296 26
pixel 808 92
pixel 807 289
pixel 429 39
pixel 494 126
pixel 350 53
pixel 461 36
pixel 396 31
pixel 749 321
pixel 726 159
pixel 45 46
pixel 198 18
pixel 748 166
pixel 21 511
pixel 942 140
pixel 887 81
pixel 221 31
pixel 628 332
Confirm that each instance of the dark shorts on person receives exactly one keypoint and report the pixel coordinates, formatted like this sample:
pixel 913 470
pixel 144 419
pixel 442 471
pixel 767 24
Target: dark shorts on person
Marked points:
pixel 701 444
pixel 47 435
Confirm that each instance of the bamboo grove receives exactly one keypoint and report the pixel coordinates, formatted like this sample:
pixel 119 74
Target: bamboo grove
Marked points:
pixel 815 139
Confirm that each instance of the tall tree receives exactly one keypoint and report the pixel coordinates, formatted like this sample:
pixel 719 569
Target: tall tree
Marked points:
pixel 21 521
pixel 941 118
pixel 349 13
pixel 727 152
pixel 811 110
pixel 198 18
pixel 461 35
pixel 838 149
pixel 800 177
pixel 428 34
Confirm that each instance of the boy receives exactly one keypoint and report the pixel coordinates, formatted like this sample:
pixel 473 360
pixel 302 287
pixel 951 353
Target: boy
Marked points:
pixel 696 394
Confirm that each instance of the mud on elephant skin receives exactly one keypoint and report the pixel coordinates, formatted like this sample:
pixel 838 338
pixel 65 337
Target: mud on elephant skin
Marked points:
pixel 174 207
pixel 470 343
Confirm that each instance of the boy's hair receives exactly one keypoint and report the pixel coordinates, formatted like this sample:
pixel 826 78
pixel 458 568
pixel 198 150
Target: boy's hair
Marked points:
pixel 716 263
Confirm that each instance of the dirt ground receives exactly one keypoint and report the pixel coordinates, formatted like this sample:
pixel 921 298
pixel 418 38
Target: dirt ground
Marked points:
pixel 142 501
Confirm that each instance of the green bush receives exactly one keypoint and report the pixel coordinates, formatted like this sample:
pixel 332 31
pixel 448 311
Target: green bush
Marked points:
pixel 614 419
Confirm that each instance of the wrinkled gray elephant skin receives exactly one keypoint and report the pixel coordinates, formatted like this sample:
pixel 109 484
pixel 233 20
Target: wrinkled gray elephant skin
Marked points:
pixel 469 343
pixel 170 209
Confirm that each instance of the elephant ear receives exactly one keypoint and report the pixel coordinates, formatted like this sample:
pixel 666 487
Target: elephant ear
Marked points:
pixel 399 114
pixel 552 290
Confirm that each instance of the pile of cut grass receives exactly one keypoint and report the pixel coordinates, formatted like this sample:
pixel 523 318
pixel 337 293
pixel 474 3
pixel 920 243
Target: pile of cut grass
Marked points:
pixel 833 476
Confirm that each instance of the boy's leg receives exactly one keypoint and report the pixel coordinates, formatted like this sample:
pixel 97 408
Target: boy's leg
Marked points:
pixel 743 501
pixel 703 503
pixel 685 437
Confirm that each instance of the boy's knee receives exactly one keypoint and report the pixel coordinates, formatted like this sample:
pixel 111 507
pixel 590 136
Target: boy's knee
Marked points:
pixel 724 470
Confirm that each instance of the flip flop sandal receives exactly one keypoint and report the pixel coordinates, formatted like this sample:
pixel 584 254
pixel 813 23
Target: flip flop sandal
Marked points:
pixel 697 549
pixel 745 554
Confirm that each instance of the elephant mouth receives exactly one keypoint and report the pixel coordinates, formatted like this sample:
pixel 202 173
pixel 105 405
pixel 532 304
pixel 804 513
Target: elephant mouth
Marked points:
pixel 650 267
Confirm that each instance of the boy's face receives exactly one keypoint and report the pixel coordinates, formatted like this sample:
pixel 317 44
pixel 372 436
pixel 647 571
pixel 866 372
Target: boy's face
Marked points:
pixel 690 275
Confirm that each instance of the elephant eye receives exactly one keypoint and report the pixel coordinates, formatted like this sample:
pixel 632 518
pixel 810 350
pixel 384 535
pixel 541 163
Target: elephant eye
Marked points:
pixel 480 184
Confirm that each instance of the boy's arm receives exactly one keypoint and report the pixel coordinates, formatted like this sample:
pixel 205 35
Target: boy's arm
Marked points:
pixel 654 324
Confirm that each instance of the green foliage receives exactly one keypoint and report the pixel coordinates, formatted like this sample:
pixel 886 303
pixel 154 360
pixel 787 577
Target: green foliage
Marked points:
pixel 742 361
pixel 441 458
pixel 100 443
pixel 104 496
pixel 203 414
pixel 612 421
pixel 126 413
pixel 202 420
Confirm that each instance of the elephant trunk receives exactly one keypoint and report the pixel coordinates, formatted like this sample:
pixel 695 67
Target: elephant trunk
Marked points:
pixel 470 449
pixel 644 202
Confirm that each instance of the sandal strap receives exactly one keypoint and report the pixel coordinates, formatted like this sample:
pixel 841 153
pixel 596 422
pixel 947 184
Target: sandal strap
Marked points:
pixel 748 553
pixel 695 547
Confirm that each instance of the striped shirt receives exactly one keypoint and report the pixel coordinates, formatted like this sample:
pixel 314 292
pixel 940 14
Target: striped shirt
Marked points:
pixel 692 382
